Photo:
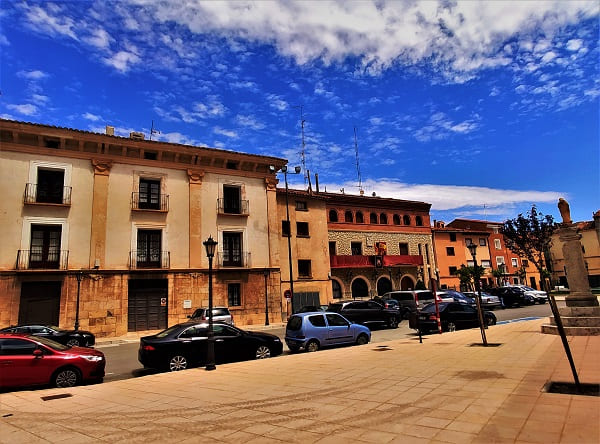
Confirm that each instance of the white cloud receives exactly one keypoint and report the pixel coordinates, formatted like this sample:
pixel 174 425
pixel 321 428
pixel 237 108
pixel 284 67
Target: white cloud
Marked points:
pixel 122 61
pixel 52 20
pixel 574 44
pixel 226 133
pixel 250 122
pixel 32 75
pixel 40 99
pixel 99 38
pixel 92 117
pixel 277 102
pixel 26 109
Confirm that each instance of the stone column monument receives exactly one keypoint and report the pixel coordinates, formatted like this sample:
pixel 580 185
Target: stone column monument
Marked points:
pixel 581 316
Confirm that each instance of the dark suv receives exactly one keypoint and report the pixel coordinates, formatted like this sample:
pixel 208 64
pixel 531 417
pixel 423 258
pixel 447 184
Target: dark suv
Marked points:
pixel 366 312
pixel 511 296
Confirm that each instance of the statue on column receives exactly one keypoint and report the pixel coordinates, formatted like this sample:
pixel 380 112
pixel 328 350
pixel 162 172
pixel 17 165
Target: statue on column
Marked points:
pixel 565 211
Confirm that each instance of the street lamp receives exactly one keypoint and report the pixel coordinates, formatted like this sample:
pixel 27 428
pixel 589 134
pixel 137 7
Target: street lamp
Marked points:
pixel 266 274
pixel 79 277
pixel 210 244
pixel 473 250
pixel 284 170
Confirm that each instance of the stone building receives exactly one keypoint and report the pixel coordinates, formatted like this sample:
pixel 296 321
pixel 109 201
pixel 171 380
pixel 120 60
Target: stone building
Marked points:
pixel 129 217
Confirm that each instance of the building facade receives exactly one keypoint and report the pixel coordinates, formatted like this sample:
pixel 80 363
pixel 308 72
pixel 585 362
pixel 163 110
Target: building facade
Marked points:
pixel 109 230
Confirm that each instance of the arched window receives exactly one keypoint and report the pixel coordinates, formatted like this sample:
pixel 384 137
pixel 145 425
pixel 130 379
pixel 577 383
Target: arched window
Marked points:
pixel 383 218
pixel 373 218
pixel 396 219
pixel 359 218
pixel 348 217
pixel 333 216
pixel 406 219
pixel 337 289
pixel 419 221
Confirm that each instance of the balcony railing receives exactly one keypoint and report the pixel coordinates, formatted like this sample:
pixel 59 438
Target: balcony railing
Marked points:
pixel 237 260
pixel 236 207
pixel 39 259
pixel 144 201
pixel 389 260
pixel 149 259
pixel 35 194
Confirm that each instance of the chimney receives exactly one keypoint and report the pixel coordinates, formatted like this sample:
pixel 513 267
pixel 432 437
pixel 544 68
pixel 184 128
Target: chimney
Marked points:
pixel 136 135
pixel 110 130
pixel 317 182
pixel 597 224
pixel 309 184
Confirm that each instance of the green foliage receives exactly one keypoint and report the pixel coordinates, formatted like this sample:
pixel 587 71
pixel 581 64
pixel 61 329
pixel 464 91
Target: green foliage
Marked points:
pixel 467 275
pixel 420 285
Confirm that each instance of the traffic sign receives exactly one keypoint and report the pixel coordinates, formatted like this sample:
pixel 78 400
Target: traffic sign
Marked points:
pixel 288 294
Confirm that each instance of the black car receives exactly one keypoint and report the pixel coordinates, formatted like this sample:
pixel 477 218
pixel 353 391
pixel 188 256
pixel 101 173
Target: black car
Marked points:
pixel 366 312
pixel 511 296
pixel 80 338
pixel 453 316
pixel 184 345
pixel 311 308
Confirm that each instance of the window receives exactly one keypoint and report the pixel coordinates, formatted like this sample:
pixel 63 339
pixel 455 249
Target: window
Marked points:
pixel 332 248
pixel 499 260
pixel 148 248
pixel 348 216
pixel 359 218
pixel 302 229
pixel 232 202
pixel 497 244
pixel 234 294
pixel 525 263
pixel 51 143
pixel 304 268
pixel 383 218
pixel 356 248
pixel 452 270
pixel 514 262
pixel 50 186
pixel 419 221
pixel 468 241
pixel 317 320
pixel 335 320
pixel 406 219
pixel 150 155
pixel 149 196
pixel 482 242
pixel 420 249
pixel 285 228
pixel 403 248
pixel 15 346
pixel 45 246
pixel 470 263
pixel 449 251
pixel 452 237
pixel 336 289
pixel 486 263
pixel 373 218
pixel 301 205
pixel 333 216
pixel 427 253
pixel 232 249
pixel 396 219
pixel 232 165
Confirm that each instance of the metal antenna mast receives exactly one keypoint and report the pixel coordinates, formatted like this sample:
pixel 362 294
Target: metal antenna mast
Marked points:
pixel 153 130
pixel 360 188
pixel 302 154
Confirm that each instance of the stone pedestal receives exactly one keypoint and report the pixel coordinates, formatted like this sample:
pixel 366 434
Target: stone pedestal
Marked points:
pixel 577 321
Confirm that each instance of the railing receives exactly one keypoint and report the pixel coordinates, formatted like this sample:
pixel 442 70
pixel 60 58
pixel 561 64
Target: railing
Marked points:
pixel 149 259
pixel 236 207
pixel 35 194
pixel 238 260
pixel 357 261
pixel 145 201
pixel 39 259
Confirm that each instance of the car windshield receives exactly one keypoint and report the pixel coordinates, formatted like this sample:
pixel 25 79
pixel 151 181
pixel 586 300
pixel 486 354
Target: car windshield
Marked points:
pixel 167 332
pixel 525 287
pixel 52 344
pixel 431 307
pixel 295 323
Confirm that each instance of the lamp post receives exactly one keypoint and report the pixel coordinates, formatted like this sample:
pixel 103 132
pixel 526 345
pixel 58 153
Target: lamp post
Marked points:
pixel 210 244
pixel 79 277
pixel 473 250
pixel 297 170
pixel 266 275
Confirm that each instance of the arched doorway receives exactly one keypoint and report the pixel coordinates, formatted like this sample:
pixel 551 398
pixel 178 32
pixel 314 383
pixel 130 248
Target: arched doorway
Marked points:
pixel 407 283
pixel 337 289
pixel 360 289
pixel 383 286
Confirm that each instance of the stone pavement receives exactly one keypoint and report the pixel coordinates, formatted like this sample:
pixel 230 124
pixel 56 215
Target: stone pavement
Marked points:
pixel 443 390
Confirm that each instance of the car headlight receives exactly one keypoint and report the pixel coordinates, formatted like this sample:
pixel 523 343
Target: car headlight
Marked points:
pixel 92 358
pixel 277 340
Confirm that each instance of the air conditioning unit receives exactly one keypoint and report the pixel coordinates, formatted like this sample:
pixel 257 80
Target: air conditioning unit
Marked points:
pixel 136 135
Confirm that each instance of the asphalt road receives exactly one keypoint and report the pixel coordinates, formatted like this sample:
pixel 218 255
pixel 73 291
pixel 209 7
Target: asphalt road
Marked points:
pixel 122 363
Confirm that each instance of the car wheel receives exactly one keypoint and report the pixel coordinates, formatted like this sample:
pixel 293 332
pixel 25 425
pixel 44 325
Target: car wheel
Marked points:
pixel 393 322
pixel 73 342
pixel 451 326
pixel 490 321
pixel 66 377
pixel 312 346
pixel 263 352
pixel 362 339
pixel 178 362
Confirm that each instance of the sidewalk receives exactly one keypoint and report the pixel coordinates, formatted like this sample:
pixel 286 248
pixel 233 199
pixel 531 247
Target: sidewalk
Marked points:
pixel 443 390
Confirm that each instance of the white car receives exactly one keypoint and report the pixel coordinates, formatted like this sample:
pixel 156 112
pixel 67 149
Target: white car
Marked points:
pixel 487 300
pixel 539 296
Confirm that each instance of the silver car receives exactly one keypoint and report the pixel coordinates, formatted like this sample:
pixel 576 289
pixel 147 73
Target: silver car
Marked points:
pixel 539 296
pixel 488 301
pixel 220 314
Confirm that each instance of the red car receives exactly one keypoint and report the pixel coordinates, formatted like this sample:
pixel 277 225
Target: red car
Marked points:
pixel 27 360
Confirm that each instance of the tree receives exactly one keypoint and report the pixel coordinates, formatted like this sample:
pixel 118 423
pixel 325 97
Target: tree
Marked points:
pixel 467 276
pixel 530 236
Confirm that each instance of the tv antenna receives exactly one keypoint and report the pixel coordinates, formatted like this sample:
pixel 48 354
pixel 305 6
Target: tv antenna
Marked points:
pixel 153 130
pixel 302 152
pixel 360 187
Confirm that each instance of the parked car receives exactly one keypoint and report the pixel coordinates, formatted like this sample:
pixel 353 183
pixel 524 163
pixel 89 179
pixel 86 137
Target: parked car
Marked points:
pixel 28 360
pixel 539 296
pixel 67 337
pixel 453 316
pixel 488 301
pixel 312 331
pixel 410 300
pixel 310 308
pixel 366 312
pixel 184 345
pixel 511 296
pixel 456 296
pixel 388 303
pixel 220 314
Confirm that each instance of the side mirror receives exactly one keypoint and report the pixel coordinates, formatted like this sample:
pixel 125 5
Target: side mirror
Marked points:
pixel 37 353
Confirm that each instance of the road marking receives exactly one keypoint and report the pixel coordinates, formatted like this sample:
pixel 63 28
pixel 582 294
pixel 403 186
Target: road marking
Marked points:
pixel 510 321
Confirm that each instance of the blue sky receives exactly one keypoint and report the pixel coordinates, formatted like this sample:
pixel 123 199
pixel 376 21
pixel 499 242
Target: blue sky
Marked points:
pixel 480 108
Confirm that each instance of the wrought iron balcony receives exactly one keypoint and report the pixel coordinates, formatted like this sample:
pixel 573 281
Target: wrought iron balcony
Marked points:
pixel 36 194
pixel 42 259
pixel 232 207
pixel 149 202
pixel 236 260
pixel 358 261
pixel 149 259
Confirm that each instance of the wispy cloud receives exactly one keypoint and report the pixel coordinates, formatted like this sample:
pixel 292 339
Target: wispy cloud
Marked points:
pixel 122 61
pixel 250 122
pixel 92 117
pixel 32 75
pixel 26 109
pixel 226 133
